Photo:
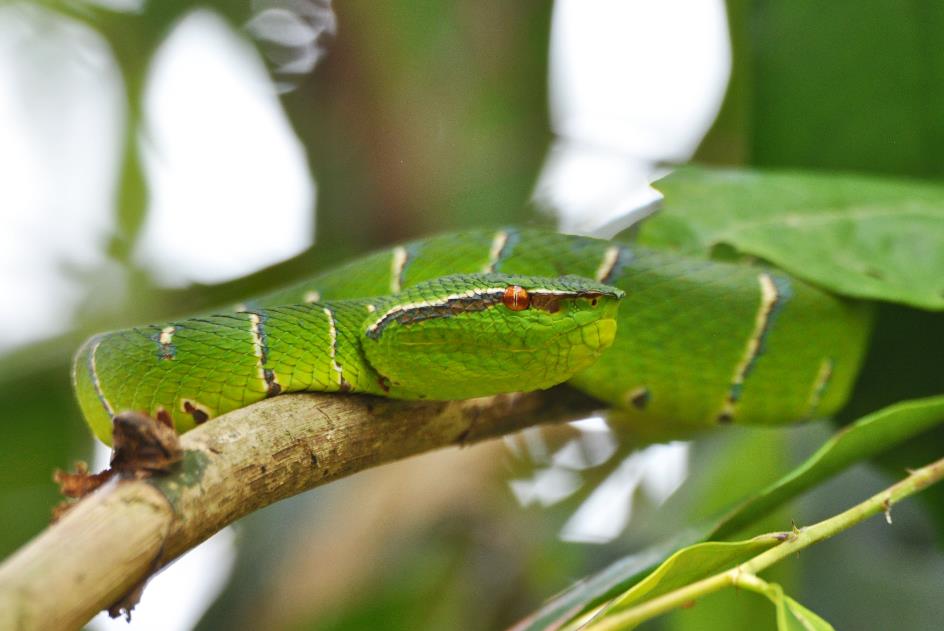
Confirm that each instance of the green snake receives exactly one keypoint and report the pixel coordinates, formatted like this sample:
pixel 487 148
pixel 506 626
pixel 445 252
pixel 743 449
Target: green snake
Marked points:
pixel 659 337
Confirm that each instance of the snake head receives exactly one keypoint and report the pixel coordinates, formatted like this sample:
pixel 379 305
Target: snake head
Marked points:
pixel 481 334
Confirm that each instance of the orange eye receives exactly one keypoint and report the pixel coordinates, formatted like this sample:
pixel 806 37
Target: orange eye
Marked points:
pixel 516 298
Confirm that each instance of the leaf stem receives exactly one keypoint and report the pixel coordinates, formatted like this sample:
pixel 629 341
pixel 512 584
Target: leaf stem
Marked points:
pixel 744 575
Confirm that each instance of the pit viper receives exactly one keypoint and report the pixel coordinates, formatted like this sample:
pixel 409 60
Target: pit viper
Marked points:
pixel 657 336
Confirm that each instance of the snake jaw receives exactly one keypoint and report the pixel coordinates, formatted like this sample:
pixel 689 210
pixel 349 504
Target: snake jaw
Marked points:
pixel 515 334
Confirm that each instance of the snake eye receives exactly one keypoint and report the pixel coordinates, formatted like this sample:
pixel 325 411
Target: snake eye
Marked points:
pixel 516 298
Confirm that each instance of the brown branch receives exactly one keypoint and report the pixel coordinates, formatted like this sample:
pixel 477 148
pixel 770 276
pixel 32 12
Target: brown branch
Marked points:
pixel 117 537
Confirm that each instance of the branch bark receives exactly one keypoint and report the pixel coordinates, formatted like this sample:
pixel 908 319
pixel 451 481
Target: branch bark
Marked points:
pixel 113 540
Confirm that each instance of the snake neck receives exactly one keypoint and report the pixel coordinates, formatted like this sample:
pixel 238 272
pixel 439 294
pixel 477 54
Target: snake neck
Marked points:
pixel 315 347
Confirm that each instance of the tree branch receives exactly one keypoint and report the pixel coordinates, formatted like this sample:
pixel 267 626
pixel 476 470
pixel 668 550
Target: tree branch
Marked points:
pixel 117 537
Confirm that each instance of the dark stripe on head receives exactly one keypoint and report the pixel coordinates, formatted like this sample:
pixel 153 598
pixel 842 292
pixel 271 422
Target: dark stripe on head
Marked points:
pixel 468 302
pixel 410 314
pixel 550 302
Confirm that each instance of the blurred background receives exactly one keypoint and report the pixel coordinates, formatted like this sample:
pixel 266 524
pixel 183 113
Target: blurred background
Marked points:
pixel 159 157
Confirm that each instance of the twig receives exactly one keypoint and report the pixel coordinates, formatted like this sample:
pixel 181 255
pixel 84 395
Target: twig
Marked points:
pixel 115 538
pixel 744 575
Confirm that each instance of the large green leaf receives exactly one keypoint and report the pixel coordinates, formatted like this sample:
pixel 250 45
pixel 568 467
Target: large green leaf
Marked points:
pixel 865 237
pixel 859 441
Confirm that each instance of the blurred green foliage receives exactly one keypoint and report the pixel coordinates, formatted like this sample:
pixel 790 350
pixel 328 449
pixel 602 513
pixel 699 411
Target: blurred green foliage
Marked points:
pixel 431 115
pixel 834 87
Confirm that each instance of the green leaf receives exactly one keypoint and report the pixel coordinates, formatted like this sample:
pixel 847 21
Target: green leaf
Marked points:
pixel 859 441
pixel 691 564
pixel 867 437
pixel 618 576
pixel 863 237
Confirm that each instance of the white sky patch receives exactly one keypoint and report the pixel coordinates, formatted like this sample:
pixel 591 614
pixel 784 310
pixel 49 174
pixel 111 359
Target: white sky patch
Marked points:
pixel 535 444
pixel 594 190
pixel 231 191
pixel 546 488
pixel 178 597
pixel 551 484
pixel 296 29
pixel 604 515
pixel 658 469
pixel 668 468
pixel 596 445
pixel 632 84
pixel 646 78
pixel 56 167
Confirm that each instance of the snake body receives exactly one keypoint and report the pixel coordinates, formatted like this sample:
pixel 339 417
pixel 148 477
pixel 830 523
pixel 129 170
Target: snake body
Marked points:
pixel 659 337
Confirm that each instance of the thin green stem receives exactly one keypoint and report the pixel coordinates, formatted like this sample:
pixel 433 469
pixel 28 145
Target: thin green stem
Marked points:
pixel 753 583
pixel 744 575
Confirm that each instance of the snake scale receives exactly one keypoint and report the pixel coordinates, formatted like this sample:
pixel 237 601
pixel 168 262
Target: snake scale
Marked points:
pixel 658 336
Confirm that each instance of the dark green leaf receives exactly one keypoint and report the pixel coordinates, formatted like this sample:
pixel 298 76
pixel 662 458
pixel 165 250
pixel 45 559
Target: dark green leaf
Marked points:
pixel 863 237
